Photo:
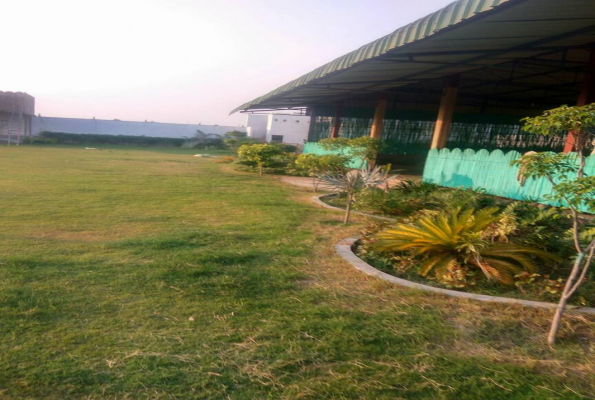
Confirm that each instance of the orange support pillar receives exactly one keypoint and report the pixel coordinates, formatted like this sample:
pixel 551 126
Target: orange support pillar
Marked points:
pixel 445 112
pixel 378 121
pixel 337 121
pixel 587 96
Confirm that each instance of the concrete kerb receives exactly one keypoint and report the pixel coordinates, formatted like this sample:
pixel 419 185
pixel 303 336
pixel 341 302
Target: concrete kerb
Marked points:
pixel 345 249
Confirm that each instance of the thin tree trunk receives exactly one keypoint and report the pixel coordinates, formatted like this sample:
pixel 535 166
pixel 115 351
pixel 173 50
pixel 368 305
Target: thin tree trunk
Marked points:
pixel 570 286
pixel 347 210
pixel 566 293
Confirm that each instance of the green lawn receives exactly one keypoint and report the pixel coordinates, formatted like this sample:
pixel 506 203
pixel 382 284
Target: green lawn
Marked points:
pixel 153 274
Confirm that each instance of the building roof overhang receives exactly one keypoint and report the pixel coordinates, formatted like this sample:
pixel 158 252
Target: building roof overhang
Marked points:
pixel 504 51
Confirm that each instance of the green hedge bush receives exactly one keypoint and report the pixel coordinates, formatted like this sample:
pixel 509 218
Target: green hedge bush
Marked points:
pixel 98 139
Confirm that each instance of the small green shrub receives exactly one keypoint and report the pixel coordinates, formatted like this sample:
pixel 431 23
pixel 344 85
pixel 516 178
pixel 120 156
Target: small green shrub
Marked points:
pixel 261 156
pixel 286 148
pixel 409 186
pixel 386 202
pixel 363 148
pixel 543 227
pixel 464 198
pixel 314 165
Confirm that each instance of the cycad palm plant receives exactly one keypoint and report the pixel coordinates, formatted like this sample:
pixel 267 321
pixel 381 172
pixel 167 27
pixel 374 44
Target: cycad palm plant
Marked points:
pixel 457 240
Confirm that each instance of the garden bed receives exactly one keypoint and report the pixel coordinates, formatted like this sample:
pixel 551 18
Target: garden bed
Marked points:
pixel 534 238
pixel 347 249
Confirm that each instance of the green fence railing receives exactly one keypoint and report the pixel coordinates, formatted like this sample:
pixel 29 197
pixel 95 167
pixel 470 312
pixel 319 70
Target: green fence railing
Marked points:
pixel 405 136
pixel 491 171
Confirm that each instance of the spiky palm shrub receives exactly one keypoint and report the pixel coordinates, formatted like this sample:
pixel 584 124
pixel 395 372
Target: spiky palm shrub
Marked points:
pixel 455 241
pixel 352 182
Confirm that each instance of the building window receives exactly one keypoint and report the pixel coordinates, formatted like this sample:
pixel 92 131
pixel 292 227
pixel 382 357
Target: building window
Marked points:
pixel 297 121
pixel 284 120
pixel 277 138
pixel 276 120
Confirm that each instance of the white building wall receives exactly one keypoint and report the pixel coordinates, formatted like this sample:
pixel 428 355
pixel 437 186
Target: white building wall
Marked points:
pixel 256 126
pixel 133 128
pixel 293 128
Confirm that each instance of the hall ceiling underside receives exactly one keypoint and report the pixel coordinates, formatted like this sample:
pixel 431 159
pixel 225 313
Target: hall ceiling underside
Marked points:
pixel 518 52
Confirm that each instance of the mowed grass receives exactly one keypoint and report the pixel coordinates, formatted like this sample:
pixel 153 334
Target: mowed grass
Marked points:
pixel 130 274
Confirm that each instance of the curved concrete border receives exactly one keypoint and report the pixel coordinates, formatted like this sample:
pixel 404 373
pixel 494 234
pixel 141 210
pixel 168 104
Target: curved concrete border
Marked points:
pixel 345 249
pixel 318 200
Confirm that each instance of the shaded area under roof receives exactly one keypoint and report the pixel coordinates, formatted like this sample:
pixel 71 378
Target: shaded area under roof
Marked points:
pixel 504 50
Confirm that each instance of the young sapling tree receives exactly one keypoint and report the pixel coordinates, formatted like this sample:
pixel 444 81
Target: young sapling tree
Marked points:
pixel 571 186
pixel 353 182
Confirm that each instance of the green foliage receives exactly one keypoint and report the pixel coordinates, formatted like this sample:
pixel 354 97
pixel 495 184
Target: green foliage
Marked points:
pixel 364 147
pixel 203 140
pixel 464 198
pixel 420 188
pixel 389 202
pixel 260 155
pixel 354 181
pixel 116 140
pixel 453 242
pixel 286 148
pixel 542 227
pixel 338 145
pixel 564 118
pixel 39 140
pixel 562 171
pixel 316 165
pixel 575 193
pixel 548 165
pixel 236 135
pixel 407 197
pixel 235 139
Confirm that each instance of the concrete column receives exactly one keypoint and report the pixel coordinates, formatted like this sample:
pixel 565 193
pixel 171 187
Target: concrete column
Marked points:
pixel 378 121
pixel 586 96
pixel 311 112
pixel 445 112
pixel 337 122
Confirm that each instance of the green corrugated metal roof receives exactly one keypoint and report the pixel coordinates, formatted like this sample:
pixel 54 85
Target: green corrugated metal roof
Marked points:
pixel 448 16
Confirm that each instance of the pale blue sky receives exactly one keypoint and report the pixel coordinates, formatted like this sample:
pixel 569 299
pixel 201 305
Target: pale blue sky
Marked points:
pixel 179 60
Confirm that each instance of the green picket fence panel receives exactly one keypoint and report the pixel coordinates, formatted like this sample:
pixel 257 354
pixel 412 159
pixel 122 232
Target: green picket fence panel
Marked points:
pixel 490 171
pixel 315 148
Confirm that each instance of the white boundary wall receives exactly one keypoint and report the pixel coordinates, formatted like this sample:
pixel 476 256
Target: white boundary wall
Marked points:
pixel 133 128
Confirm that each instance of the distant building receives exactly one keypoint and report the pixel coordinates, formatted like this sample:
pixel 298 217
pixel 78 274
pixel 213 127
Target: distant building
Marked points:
pixel 16 112
pixel 280 128
pixel 132 128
